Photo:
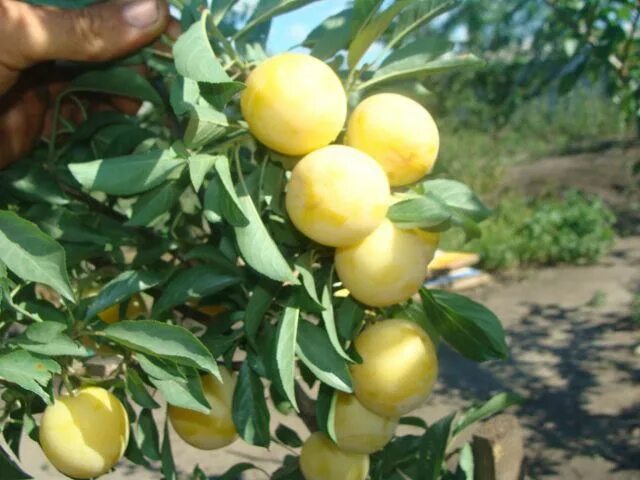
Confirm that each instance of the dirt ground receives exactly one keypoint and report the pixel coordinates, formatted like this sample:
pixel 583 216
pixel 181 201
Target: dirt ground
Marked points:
pixel 575 356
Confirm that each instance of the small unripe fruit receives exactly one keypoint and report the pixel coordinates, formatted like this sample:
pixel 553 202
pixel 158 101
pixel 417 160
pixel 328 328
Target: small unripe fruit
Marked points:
pixel 321 459
pixel 399 367
pixel 359 430
pixel 397 132
pixel 386 267
pixel 212 430
pixel 86 434
pixel 294 103
pixel 337 195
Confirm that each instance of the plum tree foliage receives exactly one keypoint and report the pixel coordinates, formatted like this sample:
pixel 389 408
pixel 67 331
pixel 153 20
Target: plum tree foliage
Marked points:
pixel 167 241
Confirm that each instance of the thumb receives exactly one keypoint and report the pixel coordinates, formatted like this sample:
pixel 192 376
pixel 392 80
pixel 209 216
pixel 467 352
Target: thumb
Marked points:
pixel 97 33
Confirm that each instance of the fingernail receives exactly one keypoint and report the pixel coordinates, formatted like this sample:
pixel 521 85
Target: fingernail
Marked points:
pixel 141 13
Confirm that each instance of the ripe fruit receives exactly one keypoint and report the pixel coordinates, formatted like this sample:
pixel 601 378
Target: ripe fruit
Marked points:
pixel 321 459
pixel 386 267
pixel 86 434
pixel 398 132
pixel 359 430
pixel 294 103
pixel 135 308
pixel 398 370
pixel 337 195
pixel 212 430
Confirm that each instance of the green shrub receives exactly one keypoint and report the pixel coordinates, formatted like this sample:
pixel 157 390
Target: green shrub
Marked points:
pixel 572 229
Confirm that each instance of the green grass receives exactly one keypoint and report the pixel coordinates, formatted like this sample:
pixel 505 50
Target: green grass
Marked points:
pixel 473 152
pixel 548 231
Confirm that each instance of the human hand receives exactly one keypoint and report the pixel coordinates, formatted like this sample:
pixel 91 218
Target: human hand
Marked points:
pixel 30 35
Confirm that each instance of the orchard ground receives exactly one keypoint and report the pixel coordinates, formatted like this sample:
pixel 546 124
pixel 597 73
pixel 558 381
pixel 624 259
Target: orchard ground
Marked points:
pixel 575 354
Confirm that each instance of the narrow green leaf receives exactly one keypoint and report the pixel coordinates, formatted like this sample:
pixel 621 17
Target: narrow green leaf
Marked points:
pixel 457 196
pixel 258 248
pixel 418 69
pixel 155 203
pixel 30 371
pixel 372 31
pixel 326 410
pixel 288 436
pixel 466 464
pixel 229 203
pixel 9 469
pixel 193 283
pixel 48 338
pixel 168 341
pixel 168 466
pixel 329 321
pixel 205 124
pixel 331 36
pixel 250 412
pixel 419 212
pixel 143 172
pixel 285 352
pixel 234 473
pixel 349 318
pixel 33 255
pixel 138 390
pixel 432 448
pixel 116 81
pixel 495 404
pixel 257 307
pixel 266 10
pixel 194 57
pixel 199 166
pixel 315 350
pixel 122 287
pixel 470 328
pixel 147 435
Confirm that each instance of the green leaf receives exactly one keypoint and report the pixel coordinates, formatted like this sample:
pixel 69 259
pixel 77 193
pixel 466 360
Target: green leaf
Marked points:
pixel 457 196
pixel 250 412
pixel 329 321
pixel 414 422
pixel 199 166
pixel 194 57
pixel 9 470
pixel 234 472
pixel 349 318
pixel 495 404
pixel 414 311
pixel 416 68
pixel 422 49
pixel 168 466
pixel 468 327
pixel 31 372
pixel 32 255
pixel 123 287
pixel 155 203
pixel 315 350
pixel 143 172
pixel 214 257
pixel 147 435
pixel 193 283
pixel 133 452
pixel 220 94
pixel 331 36
pixel 180 386
pixel 167 341
pixel 183 94
pixel 432 448
pixel 257 307
pixel 30 181
pixel 326 410
pixel 229 203
pixel 47 338
pixel 372 31
pixel 116 81
pixel 419 212
pixel 286 352
pixel 138 390
pixel 258 248
pixel 466 464
pixel 205 124
pixel 288 436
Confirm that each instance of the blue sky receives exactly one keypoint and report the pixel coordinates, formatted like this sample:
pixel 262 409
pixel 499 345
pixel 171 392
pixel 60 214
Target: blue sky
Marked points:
pixel 291 28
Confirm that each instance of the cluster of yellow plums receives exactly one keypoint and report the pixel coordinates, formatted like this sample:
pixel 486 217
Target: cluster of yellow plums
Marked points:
pixel 337 195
